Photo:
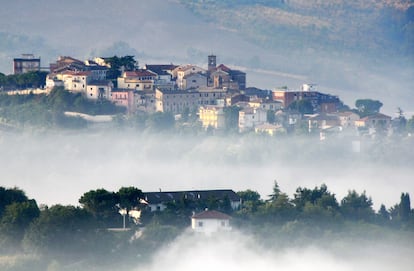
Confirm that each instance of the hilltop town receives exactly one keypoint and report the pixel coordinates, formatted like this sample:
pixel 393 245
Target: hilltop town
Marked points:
pixel 214 98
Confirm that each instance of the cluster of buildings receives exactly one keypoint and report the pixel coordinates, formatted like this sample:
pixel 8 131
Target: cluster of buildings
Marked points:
pixel 206 91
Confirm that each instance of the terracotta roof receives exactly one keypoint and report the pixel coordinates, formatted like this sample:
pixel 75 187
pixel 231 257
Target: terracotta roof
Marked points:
pixel 223 68
pixel 79 73
pixel 139 73
pixel 99 83
pixel 211 215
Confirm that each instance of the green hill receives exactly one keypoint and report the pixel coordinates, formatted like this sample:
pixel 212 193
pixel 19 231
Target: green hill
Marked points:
pixel 364 26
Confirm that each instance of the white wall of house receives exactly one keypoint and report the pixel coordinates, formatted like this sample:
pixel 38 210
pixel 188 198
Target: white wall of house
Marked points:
pixel 75 83
pixel 135 83
pixel 53 82
pixel 93 91
pixel 210 225
pixel 195 80
pixel 251 117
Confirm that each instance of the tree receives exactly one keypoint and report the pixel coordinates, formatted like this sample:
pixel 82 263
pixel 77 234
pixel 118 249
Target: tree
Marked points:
pixel 367 106
pixel 160 121
pixel 9 196
pixel 275 193
pixel 356 206
pixel 16 219
pixel 383 214
pixel 270 116
pixel 404 209
pixel 304 106
pixel 65 230
pixel 317 196
pixel 231 118
pixel 129 197
pixel 102 205
pixel 126 63
pixel 410 125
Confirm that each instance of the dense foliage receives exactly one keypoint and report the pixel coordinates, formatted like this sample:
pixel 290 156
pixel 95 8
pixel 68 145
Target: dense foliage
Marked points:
pixel 48 110
pixel 33 79
pixel 69 234
pixel 376 25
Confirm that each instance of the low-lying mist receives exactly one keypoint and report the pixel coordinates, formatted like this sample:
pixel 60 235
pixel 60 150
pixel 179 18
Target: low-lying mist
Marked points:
pixel 238 251
pixel 58 167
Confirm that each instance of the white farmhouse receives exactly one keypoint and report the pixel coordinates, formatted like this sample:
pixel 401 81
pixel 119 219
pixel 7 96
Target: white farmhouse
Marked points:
pixel 210 221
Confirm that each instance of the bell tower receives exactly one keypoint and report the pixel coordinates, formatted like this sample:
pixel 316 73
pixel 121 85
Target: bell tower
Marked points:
pixel 211 62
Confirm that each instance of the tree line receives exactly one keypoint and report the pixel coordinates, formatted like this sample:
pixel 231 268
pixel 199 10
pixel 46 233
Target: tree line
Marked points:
pixel 32 79
pixel 48 110
pixel 77 231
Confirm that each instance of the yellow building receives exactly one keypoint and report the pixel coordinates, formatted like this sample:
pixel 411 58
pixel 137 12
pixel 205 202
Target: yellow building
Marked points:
pixel 212 116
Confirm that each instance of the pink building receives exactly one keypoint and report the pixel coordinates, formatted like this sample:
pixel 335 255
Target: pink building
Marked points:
pixel 125 98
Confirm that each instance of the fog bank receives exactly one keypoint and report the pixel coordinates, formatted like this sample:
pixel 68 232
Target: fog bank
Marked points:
pixel 236 251
pixel 55 167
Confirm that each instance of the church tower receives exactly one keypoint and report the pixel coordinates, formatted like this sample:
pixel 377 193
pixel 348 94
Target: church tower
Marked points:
pixel 211 62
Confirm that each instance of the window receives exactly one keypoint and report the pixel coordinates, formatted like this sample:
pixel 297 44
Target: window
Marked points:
pixel 200 223
pixel 223 223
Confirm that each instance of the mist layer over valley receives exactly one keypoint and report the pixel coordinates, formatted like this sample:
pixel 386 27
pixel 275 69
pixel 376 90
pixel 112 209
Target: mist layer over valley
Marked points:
pixel 356 50
pixel 71 163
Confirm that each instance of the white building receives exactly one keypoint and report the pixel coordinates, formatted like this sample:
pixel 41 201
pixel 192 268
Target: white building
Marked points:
pixel 194 80
pixel 137 80
pixel 210 221
pixel 182 71
pixel 250 117
pixel 99 90
pixel 75 81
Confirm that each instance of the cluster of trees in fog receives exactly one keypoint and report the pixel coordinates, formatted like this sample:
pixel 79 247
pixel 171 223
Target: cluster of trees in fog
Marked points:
pixel 32 79
pixel 48 110
pixel 80 232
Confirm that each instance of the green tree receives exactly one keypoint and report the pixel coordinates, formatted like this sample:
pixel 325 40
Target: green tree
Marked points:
pixel 129 197
pixel 127 63
pixel 275 192
pixel 271 117
pixel 383 215
pixel 410 125
pixel 102 204
pixel 356 206
pixel 65 230
pixel 317 196
pixel 15 220
pixel 367 106
pixel 9 196
pixel 160 121
pixel 231 118
pixel 304 106
pixel 404 209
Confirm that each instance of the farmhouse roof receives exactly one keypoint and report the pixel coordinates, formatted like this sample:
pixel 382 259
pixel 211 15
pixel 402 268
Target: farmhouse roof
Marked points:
pixel 160 197
pixel 211 215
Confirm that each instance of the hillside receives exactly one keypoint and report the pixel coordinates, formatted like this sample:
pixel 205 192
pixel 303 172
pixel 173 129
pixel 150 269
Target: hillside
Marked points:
pixel 370 27
pixel 354 49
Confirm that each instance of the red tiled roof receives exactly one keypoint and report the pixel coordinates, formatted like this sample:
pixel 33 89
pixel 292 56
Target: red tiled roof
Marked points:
pixel 211 215
pixel 139 73
pixel 223 68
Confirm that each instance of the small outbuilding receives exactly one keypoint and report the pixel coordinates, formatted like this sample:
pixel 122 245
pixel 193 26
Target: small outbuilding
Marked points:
pixel 210 221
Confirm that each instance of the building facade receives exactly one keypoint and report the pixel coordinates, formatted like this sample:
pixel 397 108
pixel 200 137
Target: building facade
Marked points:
pixel 26 63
